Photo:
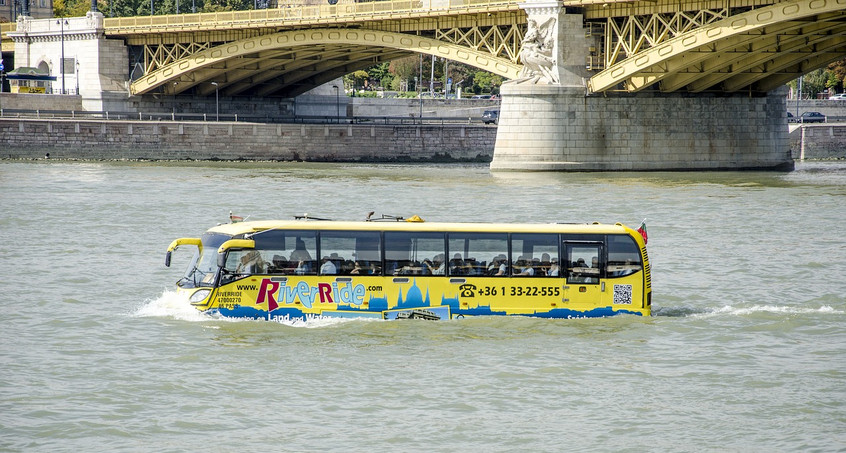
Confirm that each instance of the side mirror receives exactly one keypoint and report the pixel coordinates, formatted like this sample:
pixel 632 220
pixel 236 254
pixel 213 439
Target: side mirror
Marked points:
pixel 181 241
pixel 221 259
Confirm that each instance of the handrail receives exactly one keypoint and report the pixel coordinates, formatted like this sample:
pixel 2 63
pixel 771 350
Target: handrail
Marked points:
pixel 210 118
pixel 304 13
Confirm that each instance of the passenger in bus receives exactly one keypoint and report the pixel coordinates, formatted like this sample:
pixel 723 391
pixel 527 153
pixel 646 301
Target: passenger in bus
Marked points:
pixel 436 266
pixel 456 265
pixel 473 267
pixel 328 267
pixel 278 265
pixel 251 263
pixel 303 259
pixel 300 253
pixel 553 270
pixel 544 264
pixel 366 269
pixel 523 268
pixel 498 267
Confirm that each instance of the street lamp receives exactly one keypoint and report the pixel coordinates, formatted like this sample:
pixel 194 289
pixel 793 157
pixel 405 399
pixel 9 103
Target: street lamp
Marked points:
pixel 62 23
pixel 77 75
pixel 432 78
pixel 337 103
pixel 216 103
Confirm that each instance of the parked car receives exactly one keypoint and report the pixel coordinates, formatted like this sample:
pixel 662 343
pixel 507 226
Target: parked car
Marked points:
pixel 790 118
pixel 838 97
pixel 812 117
pixel 490 116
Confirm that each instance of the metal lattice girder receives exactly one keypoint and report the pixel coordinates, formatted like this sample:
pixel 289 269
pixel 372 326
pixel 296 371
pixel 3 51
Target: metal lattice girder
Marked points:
pixel 700 50
pixel 162 55
pixel 501 41
pixel 192 70
pixel 626 36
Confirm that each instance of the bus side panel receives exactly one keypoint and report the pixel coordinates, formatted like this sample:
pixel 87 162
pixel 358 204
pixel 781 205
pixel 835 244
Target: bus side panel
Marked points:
pixel 625 294
pixel 267 297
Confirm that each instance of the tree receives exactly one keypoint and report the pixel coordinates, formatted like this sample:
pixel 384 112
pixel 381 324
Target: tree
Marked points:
pixel 838 69
pixel 356 80
pixel 71 8
pixel 403 70
pixel 486 82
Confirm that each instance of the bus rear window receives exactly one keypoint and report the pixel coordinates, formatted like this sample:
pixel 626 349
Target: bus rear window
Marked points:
pixel 623 256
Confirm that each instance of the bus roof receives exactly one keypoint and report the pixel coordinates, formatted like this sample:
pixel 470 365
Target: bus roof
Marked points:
pixel 239 228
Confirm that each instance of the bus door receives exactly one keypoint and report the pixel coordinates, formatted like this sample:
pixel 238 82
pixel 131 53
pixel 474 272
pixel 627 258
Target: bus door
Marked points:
pixel 582 265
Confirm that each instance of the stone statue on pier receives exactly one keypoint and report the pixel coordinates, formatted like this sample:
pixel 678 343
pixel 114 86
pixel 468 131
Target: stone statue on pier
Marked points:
pixel 537 52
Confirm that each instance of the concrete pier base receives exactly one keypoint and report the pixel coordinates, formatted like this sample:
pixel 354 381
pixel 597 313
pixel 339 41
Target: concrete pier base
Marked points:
pixel 559 128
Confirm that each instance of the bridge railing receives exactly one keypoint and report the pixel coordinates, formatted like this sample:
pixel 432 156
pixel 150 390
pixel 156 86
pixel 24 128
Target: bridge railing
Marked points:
pixel 304 13
pixel 212 117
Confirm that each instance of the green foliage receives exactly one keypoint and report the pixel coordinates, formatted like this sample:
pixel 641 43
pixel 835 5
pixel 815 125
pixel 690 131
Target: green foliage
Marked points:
pixel 380 71
pixel 71 8
pixel 838 74
pixel 486 82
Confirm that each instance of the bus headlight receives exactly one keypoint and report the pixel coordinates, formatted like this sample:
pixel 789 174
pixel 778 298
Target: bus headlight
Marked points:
pixel 199 296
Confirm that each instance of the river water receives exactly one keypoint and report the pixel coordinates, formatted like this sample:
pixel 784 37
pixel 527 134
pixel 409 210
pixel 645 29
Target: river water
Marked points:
pixel 745 351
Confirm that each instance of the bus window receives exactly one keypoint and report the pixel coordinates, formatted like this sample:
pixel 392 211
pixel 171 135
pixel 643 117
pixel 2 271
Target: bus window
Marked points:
pixel 351 252
pixel 476 254
pixel 414 253
pixel 583 262
pixel 532 255
pixel 623 256
pixel 288 252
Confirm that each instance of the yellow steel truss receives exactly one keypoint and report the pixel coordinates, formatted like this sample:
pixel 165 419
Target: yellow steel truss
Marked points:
pixel 757 49
pixel 626 36
pixel 500 41
pixel 290 57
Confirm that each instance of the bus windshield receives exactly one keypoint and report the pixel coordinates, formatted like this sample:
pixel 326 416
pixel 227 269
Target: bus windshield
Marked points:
pixel 203 267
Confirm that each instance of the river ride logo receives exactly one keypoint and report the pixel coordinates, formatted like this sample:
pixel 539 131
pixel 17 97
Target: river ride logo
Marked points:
pixel 275 293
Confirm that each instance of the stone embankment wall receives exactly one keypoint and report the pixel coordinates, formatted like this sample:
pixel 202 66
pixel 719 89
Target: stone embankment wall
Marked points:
pixel 86 139
pixel 33 101
pixel 266 109
pixel 835 111
pixel 818 141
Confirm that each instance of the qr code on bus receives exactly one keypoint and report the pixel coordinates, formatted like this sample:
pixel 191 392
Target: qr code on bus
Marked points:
pixel 623 294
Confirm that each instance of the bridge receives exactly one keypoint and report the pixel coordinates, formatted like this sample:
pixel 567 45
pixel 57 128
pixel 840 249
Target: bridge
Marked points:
pixel 660 52
pixel 692 45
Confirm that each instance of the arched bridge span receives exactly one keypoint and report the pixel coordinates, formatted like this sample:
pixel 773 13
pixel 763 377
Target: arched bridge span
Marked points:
pixel 292 62
pixel 738 49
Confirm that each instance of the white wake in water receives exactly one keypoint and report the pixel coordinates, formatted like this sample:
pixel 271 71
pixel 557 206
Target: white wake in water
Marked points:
pixel 176 306
pixel 171 305
pixel 775 309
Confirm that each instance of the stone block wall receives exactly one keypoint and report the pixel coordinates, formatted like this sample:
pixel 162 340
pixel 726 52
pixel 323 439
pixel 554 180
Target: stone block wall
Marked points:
pixel 74 139
pixel 544 127
pixel 818 141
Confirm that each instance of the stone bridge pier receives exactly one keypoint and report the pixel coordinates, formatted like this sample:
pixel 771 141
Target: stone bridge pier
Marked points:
pixel 549 121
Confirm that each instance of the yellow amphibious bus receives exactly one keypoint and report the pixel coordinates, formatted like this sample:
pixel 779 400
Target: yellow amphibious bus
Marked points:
pixel 306 269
